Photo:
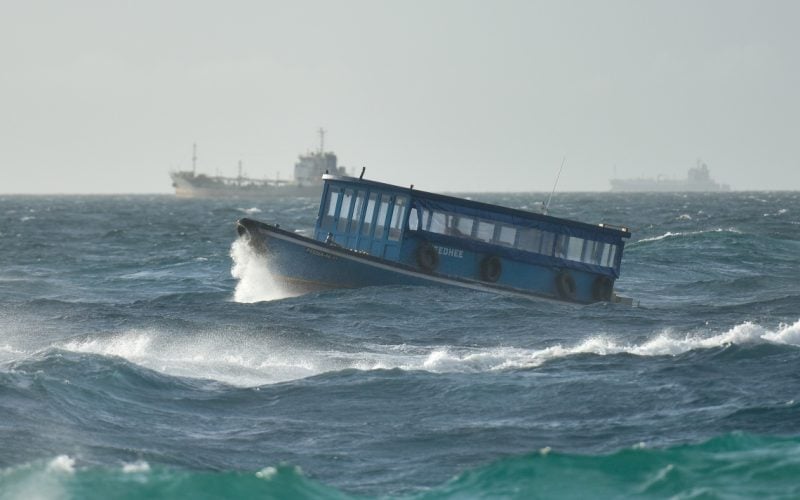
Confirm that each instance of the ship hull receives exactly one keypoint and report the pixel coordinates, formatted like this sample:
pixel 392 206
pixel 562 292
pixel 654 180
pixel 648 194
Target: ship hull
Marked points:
pixel 655 186
pixel 698 180
pixel 185 188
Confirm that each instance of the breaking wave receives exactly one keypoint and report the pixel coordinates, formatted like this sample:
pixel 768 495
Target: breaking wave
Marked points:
pixel 231 358
pixel 664 344
pixel 248 360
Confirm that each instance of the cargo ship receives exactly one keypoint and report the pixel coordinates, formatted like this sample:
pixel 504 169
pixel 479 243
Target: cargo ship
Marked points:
pixel 698 179
pixel 307 180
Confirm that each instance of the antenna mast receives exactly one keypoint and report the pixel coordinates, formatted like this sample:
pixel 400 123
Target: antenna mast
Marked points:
pixel 547 205
pixel 321 140
pixel 194 159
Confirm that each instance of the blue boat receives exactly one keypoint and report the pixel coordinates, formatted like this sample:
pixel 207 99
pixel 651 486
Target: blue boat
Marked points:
pixel 370 233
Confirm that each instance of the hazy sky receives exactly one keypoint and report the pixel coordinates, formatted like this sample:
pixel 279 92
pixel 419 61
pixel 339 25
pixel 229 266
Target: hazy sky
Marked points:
pixel 108 96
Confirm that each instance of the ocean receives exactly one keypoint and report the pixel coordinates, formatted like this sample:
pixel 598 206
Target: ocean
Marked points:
pixel 145 353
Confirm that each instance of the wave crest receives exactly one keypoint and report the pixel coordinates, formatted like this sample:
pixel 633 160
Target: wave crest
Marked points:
pixel 670 234
pixel 244 360
pixel 663 344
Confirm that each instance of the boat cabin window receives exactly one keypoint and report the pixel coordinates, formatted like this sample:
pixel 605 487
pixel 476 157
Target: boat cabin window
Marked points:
pixel 369 214
pixel 344 212
pixel 398 214
pixel 575 249
pixel 413 219
pixel 373 215
pixel 485 231
pixel 425 220
pixel 380 222
pixel 444 223
pixel 597 253
pixel 436 223
pixel 528 239
pixel 593 252
pixel 560 251
pixel 461 226
pixel 609 255
pixel 358 207
pixel 330 209
pixel 548 241
pixel 507 235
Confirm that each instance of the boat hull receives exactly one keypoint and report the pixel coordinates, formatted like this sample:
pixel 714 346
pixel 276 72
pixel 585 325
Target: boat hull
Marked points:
pixel 302 265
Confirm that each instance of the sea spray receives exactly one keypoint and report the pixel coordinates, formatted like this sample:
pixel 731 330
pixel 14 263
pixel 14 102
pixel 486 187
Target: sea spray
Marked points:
pixel 255 281
pixel 247 360
pixel 227 356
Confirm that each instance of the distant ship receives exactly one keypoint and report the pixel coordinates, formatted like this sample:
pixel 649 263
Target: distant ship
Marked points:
pixel 308 172
pixel 698 179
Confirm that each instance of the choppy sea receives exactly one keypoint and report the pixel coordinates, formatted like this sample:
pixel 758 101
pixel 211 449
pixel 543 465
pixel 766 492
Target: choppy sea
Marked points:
pixel 145 353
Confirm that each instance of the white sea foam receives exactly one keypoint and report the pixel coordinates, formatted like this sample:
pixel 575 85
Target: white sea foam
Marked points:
pixel 666 235
pixel 6 351
pixel 267 473
pixel 776 214
pixel 452 359
pixel 256 282
pixel 136 467
pixel 62 463
pixel 131 345
pixel 247 361
pixel 19 338
pixel 670 234
pixel 787 334
pixel 251 210
pixel 226 357
pixel 29 481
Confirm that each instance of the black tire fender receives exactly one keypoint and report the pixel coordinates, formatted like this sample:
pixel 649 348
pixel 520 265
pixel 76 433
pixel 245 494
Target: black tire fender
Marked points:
pixel 427 257
pixel 602 287
pixel 491 268
pixel 565 285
